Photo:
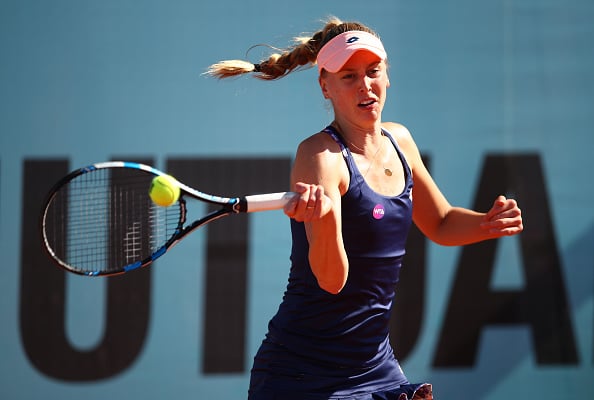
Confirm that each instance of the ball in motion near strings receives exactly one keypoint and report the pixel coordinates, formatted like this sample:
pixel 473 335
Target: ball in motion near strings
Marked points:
pixel 164 190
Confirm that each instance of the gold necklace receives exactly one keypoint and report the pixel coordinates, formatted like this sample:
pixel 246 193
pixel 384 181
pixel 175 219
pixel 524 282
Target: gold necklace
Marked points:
pixel 387 171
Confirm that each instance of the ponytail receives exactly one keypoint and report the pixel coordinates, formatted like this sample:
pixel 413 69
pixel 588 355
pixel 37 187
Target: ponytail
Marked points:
pixel 302 53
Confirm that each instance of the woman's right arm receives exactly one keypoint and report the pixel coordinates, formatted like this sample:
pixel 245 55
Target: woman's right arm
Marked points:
pixel 318 177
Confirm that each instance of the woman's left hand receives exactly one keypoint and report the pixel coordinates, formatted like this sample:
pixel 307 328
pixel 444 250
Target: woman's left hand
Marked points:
pixel 504 218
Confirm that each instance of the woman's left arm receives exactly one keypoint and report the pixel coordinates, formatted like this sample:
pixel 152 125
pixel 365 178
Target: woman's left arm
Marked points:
pixel 444 223
pixel 461 226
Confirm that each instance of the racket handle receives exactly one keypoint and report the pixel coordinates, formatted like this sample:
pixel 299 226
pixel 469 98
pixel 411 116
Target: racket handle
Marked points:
pixel 269 201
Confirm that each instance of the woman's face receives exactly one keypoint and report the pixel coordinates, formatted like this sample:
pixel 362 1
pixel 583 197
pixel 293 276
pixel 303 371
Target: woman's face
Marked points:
pixel 358 90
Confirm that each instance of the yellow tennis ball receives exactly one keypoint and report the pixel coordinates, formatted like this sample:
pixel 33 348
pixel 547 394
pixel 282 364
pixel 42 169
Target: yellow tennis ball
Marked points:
pixel 164 190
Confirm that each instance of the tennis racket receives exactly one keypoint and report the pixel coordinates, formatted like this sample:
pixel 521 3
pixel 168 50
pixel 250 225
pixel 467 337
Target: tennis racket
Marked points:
pixel 99 220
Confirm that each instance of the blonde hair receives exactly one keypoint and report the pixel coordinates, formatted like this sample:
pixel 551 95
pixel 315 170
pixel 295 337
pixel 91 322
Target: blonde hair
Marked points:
pixel 302 53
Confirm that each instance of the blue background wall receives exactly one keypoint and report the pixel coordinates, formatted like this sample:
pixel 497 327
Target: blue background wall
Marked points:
pixel 86 81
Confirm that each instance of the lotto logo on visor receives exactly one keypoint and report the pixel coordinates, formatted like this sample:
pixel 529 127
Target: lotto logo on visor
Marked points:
pixel 337 51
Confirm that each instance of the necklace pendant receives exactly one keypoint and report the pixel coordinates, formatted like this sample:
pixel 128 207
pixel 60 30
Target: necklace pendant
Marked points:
pixel 387 171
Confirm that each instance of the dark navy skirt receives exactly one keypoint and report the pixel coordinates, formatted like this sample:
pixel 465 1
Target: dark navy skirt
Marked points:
pixel 277 374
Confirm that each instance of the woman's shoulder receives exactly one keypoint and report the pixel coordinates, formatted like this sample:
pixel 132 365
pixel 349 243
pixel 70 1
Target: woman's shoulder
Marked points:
pixel 319 159
pixel 401 134
pixel 397 130
pixel 320 143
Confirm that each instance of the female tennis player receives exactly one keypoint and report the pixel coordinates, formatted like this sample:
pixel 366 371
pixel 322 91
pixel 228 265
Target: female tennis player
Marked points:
pixel 349 222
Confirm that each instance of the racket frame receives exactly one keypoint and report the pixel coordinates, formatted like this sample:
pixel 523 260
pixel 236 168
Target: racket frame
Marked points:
pixel 229 205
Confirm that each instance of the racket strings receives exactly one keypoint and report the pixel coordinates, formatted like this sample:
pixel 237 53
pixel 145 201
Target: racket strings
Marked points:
pixel 104 221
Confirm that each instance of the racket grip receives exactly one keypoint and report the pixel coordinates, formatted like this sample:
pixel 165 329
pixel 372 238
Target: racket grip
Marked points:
pixel 269 201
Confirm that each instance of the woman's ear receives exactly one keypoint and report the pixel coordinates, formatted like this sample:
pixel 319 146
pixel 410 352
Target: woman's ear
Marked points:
pixel 324 87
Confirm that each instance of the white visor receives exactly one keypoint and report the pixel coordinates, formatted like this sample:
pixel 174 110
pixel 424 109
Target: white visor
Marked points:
pixel 340 48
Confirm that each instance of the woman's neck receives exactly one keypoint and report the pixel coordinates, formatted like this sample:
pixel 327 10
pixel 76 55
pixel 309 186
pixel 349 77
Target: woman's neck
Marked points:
pixel 363 140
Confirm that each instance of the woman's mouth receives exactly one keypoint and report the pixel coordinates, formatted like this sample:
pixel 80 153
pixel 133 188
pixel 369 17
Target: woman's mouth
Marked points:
pixel 367 103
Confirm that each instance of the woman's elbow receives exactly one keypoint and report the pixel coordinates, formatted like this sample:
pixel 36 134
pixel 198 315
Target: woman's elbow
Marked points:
pixel 333 286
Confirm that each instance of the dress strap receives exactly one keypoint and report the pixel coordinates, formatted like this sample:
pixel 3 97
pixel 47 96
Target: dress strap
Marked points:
pixel 346 153
pixel 330 130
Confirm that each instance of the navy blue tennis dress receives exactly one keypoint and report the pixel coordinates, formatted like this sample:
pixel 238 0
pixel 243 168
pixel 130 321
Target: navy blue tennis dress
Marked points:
pixel 336 346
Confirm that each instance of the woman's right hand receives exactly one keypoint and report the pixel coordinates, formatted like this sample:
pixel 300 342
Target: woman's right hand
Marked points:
pixel 309 204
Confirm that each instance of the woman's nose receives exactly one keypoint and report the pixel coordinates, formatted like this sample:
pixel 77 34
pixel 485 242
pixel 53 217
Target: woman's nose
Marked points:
pixel 365 84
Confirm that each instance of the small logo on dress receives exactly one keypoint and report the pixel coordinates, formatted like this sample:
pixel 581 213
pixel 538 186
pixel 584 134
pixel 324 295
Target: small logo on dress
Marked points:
pixel 378 211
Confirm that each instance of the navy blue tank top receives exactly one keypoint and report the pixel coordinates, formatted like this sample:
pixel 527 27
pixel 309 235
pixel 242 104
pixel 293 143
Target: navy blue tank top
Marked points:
pixel 349 329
